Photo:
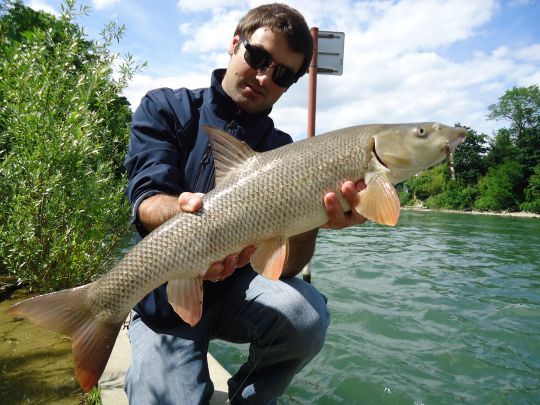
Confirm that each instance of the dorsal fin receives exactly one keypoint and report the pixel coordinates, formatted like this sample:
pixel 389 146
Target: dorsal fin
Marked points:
pixel 229 152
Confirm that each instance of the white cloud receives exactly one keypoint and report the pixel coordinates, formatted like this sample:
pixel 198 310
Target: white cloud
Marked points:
pixel 103 4
pixel 198 5
pixel 413 25
pixel 185 28
pixel 529 53
pixel 141 83
pixel 212 35
pixel 39 5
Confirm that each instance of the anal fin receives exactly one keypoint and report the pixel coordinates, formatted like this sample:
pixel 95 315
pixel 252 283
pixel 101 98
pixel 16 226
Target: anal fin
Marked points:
pixel 186 297
pixel 270 257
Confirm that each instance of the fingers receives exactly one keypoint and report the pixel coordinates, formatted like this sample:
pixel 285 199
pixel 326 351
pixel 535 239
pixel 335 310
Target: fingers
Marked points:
pixel 245 255
pixel 219 271
pixel 190 202
pixel 337 218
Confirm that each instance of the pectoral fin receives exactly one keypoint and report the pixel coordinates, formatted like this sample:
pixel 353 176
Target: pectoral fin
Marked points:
pixel 379 201
pixel 186 297
pixel 270 257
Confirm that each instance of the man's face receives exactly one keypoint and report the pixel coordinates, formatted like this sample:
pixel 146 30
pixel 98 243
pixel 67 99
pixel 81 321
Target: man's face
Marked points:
pixel 252 90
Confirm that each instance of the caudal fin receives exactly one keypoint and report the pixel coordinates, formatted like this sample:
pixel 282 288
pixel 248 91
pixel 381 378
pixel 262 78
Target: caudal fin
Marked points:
pixel 67 312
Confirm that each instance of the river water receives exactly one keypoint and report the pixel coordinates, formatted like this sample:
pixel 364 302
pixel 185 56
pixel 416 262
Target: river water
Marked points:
pixel 442 309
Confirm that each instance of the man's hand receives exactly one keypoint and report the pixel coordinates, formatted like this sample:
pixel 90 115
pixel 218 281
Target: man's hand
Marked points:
pixel 192 202
pixel 337 218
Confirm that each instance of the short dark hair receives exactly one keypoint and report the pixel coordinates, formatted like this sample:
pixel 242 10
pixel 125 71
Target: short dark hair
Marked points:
pixel 281 19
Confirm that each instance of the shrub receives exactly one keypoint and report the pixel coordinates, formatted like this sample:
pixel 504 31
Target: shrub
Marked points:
pixel 63 214
pixel 496 189
pixel 532 192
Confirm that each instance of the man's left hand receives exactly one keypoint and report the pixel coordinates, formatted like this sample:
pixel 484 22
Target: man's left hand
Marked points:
pixel 337 218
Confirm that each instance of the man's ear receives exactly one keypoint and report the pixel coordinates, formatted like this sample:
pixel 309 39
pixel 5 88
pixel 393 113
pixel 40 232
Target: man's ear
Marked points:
pixel 234 45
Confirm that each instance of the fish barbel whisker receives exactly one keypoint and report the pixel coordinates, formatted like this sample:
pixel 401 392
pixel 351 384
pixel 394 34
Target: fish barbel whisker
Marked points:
pixel 450 160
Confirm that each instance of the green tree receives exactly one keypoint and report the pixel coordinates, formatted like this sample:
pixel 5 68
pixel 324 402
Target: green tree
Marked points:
pixel 469 158
pixel 428 183
pixel 520 105
pixel 532 192
pixel 528 145
pixel 64 133
pixel 456 196
pixel 22 20
pixel 498 188
pixel 501 149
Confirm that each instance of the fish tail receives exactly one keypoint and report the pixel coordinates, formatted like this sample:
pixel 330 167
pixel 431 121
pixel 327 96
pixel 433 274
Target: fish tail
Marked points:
pixel 68 312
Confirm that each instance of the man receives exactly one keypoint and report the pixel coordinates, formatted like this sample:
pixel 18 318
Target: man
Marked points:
pixel 170 167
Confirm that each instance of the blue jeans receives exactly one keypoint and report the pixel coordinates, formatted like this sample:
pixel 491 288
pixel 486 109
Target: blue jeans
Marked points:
pixel 284 321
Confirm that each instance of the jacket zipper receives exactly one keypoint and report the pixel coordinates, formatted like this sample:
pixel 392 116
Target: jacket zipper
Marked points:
pixel 230 128
pixel 202 166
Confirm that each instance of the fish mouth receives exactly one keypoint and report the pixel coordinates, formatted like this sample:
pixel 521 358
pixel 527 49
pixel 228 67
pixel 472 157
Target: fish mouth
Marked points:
pixel 453 143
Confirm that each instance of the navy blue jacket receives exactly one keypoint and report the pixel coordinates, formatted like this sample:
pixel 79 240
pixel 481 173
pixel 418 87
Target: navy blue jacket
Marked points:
pixel 169 153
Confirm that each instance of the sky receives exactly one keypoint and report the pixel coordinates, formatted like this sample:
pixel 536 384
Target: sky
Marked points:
pixel 404 61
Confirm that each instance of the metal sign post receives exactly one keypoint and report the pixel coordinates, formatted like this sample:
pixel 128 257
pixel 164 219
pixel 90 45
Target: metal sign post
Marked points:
pixel 328 51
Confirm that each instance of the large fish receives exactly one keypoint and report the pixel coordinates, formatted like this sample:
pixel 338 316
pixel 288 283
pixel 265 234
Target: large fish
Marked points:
pixel 260 199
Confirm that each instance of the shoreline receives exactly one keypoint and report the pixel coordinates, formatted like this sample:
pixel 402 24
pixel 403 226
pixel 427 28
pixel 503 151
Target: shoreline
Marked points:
pixel 519 214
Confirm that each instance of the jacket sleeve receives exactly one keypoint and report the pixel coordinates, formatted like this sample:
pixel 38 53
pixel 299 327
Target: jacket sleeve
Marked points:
pixel 153 157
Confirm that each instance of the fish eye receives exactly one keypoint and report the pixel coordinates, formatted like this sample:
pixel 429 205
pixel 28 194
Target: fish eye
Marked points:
pixel 420 132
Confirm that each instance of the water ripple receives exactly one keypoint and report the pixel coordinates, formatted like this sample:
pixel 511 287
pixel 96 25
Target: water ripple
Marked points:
pixel 441 309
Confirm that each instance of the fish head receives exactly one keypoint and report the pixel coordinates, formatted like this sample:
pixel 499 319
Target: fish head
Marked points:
pixel 406 149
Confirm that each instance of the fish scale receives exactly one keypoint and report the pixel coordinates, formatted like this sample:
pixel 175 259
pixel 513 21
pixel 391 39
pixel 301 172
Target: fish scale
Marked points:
pixel 260 199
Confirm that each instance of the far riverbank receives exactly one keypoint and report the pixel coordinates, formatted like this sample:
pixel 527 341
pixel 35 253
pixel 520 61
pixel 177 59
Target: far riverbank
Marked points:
pixel 520 214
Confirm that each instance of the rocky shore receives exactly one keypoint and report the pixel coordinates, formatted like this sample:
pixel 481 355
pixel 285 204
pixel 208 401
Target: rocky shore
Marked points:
pixel 520 214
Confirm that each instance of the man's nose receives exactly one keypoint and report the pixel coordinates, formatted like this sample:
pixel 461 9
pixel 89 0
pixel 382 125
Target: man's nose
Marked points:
pixel 264 76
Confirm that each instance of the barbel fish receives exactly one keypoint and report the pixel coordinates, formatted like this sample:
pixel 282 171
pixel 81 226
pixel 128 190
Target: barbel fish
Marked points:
pixel 260 199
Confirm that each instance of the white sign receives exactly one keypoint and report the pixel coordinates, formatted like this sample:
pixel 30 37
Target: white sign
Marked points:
pixel 330 55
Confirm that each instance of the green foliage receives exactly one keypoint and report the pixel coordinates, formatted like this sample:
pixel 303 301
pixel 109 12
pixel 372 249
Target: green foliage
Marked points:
pixel 532 193
pixel 93 397
pixel 64 135
pixel 469 160
pixel 457 196
pixel 428 183
pixel 497 191
pixel 404 198
pixel 501 148
pixel 528 145
pixel 521 106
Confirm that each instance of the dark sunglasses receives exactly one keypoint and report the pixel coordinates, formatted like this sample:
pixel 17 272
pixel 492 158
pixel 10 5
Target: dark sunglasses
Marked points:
pixel 258 58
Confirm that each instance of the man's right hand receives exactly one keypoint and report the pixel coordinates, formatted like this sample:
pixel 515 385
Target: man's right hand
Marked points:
pixel 220 270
